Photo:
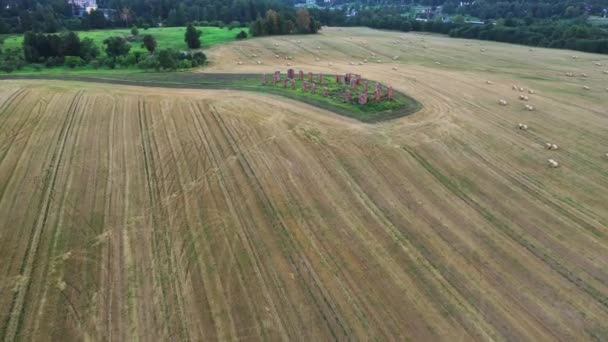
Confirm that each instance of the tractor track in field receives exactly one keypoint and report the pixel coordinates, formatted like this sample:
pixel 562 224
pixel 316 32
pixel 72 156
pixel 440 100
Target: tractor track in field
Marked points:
pixel 534 250
pixel 12 328
pixel 304 269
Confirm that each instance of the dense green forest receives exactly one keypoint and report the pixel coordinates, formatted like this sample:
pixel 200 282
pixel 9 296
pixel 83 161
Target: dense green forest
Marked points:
pixel 555 24
pixel 18 16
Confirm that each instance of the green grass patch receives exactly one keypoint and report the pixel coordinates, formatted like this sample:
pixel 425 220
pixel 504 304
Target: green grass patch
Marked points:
pixel 166 37
pixel 400 105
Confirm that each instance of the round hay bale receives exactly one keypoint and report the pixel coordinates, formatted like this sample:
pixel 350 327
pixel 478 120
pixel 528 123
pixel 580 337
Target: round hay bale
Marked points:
pixel 502 102
pixel 554 147
pixel 521 89
pixel 288 64
pixel 259 62
pixel 605 72
pixel 553 163
pixel 574 57
pixel 586 88
pixel 239 63
pixel 584 75
pixel 489 82
pixel 548 146
pixel 530 91
pixel 514 87
pixel 437 63
pixel 394 68
pixel 277 56
pixel 351 63
pixel 598 64
pixel 483 50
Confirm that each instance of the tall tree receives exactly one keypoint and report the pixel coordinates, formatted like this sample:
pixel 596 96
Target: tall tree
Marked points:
pixel 303 21
pixel 192 37
pixel 116 46
pixel 150 43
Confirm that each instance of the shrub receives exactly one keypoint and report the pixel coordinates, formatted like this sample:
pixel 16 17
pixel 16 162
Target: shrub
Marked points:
pixel 73 61
pixel 184 64
pixel 241 35
pixel 134 30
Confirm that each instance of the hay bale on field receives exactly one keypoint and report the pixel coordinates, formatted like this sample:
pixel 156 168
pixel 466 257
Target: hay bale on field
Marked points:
pixel 554 147
pixel 483 50
pixel 569 74
pixel 394 68
pixel 598 64
pixel 259 62
pixel 529 108
pixel 521 89
pixel 523 127
pixel 437 63
pixel 584 75
pixel 553 163
pixel 530 91
pixel 360 63
pixel 351 63
pixel 514 87
pixel 365 61
pixel 239 63
pixel 502 102
pixel 277 56
pixel 288 64
pixel 605 72
pixel 574 57
pixel 254 56
pixel 586 88
pixel 489 82
pixel 523 97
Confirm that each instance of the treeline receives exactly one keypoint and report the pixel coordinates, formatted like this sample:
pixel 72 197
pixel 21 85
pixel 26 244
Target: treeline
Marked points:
pixel 67 49
pixel 50 16
pixel 574 34
pixel 274 23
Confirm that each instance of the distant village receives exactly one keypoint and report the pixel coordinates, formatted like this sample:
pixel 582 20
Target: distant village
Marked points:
pixel 80 7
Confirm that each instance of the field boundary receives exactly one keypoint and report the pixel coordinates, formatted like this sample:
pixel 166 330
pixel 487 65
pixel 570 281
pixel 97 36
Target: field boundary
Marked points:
pixel 239 82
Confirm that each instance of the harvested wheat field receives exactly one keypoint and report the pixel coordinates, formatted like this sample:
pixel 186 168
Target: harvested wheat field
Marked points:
pixel 132 213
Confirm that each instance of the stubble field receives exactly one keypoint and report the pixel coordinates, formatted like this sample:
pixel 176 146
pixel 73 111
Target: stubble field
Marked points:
pixel 131 213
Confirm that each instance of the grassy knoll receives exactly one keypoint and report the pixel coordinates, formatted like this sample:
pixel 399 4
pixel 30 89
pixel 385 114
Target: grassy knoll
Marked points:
pixel 401 105
pixel 166 37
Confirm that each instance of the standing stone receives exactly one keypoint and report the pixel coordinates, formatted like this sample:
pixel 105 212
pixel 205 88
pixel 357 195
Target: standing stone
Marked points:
pixel 358 80
pixel 325 91
pixel 285 83
pixel 313 88
pixel 320 78
pixel 304 86
pixel 291 73
pixel 265 79
pixel 276 78
pixel 310 77
pixel 293 84
pixel 363 98
pixel 301 75
pixel 347 78
pixel 348 96
pixel 365 86
pixel 390 93
pixel 337 78
pixel 353 83
pixel 377 94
